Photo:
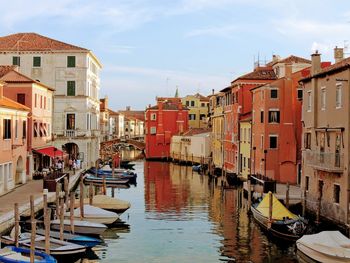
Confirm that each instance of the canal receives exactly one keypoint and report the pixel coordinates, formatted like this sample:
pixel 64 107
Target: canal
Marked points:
pixel 177 215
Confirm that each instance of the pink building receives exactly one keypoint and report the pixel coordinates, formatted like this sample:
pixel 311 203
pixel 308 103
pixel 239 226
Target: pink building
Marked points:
pixel 13 142
pixel 38 98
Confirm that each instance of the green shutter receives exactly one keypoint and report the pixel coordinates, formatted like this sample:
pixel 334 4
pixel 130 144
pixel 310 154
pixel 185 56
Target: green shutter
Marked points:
pixel 36 61
pixel 70 88
pixel 16 61
pixel 71 61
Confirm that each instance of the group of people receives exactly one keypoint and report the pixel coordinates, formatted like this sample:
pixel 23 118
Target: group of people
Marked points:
pixel 73 164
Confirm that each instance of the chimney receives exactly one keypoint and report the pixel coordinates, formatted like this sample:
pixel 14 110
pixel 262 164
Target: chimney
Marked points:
pixel 288 70
pixel 315 62
pixel 338 54
pixel 275 58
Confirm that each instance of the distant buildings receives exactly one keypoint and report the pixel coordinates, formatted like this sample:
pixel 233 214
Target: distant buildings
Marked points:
pixel 198 110
pixel 134 123
pixel 74 74
pixel 167 118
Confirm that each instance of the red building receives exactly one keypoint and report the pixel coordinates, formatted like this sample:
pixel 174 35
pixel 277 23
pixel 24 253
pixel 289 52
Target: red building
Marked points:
pixel 163 120
pixel 237 102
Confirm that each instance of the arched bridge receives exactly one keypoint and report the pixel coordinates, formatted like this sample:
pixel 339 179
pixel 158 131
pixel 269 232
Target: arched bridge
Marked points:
pixel 109 145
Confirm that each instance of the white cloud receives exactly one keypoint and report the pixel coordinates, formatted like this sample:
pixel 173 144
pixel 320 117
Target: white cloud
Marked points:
pixel 223 31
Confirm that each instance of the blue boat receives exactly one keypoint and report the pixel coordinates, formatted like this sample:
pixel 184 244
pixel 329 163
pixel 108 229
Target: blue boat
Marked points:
pixel 82 240
pixel 118 173
pixel 109 180
pixel 12 254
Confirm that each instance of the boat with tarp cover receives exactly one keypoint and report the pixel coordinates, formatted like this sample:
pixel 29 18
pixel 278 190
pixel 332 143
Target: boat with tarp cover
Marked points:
pixel 283 223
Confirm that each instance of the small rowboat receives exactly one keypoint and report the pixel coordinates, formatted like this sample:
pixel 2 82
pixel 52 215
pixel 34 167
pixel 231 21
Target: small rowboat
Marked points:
pixel 80 227
pixel 108 203
pixel 109 180
pixel 85 241
pixel 95 214
pixel 57 247
pixel 13 254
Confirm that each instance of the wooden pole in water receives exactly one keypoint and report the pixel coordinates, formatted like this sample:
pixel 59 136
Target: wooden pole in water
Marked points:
pixel 113 189
pixel 66 191
pixel 270 209
pixel 16 224
pixel 104 185
pixel 61 218
pixel 58 190
pixel 81 198
pixel 32 241
pixel 304 203
pixel 71 212
pixel 46 223
pixel 91 194
pixel 113 166
pixel 32 217
pixel 249 193
pixel 287 195
pixel 96 167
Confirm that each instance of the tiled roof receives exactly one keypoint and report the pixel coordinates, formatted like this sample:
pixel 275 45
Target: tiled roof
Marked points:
pixel 10 75
pixel 328 69
pixel 262 73
pixel 290 59
pixel 33 42
pixel 11 104
pixel 140 115
pixel 111 112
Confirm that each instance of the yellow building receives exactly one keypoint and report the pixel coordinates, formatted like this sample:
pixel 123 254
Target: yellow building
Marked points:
pixel 198 110
pixel 244 147
pixel 217 125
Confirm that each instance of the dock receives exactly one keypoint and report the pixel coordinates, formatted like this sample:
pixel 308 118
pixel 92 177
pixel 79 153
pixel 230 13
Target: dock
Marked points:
pixel 21 195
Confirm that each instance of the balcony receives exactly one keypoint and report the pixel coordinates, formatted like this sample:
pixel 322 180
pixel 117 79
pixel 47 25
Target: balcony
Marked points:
pixel 330 162
pixel 70 133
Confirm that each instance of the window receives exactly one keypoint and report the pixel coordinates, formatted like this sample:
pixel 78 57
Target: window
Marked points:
pixel 323 98
pixel 192 103
pixel 338 96
pixel 273 141
pixel 274 93
pixel 307 179
pixel 153 130
pixel 71 88
pixel 192 117
pixel 187 103
pixel 262 94
pixel 307 140
pixel 16 61
pixel 24 129
pixel 274 116
pixel 16 129
pixel 202 104
pixel 153 117
pixel 71 62
pixel 70 121
pixel 336 193
pixel 7 129
pixel 41 102
pixel 36 62
pixel 262 142
pixel 309 98
pixel 300 94
pixel 202 117
pixel 21 98
pixel 261 116
pixel 35 129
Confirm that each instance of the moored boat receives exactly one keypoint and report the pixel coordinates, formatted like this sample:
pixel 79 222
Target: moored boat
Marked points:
pixel 80 227
pixel 85 241
pixel 57 247
pixel 326 246
pixel 108 203
pixel 12 254
pixel 109 180
pixel 95 214
pixel 283 223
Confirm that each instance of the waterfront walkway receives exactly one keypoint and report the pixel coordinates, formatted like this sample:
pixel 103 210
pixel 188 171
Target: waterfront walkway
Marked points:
pixel 21 195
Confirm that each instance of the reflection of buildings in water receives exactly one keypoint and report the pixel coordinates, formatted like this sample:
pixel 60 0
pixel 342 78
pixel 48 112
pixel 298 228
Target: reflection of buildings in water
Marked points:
pixel 128 154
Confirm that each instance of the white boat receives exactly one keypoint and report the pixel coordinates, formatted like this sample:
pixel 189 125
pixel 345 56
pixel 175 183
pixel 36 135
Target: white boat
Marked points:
pixel 57 247
pixel 326 247
pixel 80 227
pixel 95 214
pixel 107 203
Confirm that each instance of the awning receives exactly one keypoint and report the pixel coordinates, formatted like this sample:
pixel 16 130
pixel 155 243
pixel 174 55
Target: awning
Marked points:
pixel 51 151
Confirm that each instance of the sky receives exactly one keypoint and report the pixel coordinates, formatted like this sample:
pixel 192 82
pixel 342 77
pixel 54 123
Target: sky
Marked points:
pixel 149 48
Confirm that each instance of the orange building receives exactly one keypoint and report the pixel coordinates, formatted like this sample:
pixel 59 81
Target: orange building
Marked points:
pixel 13 142
pixel 276 126
pixel 238 102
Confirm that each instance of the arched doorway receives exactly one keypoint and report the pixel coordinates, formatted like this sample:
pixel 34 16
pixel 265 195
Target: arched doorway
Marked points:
pixel 72 149
pixel 20 173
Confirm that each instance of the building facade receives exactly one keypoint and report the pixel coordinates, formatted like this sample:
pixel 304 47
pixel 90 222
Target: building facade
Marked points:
pixel 326 137
pixel 74 74
pixel 13 142
pixel 198 110
pixel 245 147
pixel 164 120
pixel 117 124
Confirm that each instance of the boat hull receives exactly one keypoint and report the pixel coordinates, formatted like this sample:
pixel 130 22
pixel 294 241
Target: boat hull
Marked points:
pixel 80 227
pixel 40 256
pixel 109 180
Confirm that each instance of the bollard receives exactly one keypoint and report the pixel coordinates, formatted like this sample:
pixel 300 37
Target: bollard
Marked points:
pixel 71 212
pixel 269 223
pixel 16 224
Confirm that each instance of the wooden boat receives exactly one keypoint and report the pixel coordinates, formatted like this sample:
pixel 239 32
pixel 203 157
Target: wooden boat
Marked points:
pixel 107 203
pixel 80 227
pixel 326 246
pixel 109 180
pixel 57 247
pixel 118 173
pixel 85 241
pixel 284 224
pixel 12 254
pixel 95 214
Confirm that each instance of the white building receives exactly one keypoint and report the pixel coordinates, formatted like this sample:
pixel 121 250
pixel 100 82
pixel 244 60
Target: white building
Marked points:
pixel 117 124
pixel 74 74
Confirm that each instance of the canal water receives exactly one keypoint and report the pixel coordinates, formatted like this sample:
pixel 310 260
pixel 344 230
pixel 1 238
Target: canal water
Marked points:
pixel 177 215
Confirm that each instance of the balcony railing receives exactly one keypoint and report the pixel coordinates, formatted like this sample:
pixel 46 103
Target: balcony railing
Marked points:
pixel 331 162
pixel 70 133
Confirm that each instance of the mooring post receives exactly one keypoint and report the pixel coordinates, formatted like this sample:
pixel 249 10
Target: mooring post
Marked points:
pixel 249 193
pixel 104 189
pixel 58 190
pixel 304 203
pixel 71 212
pixel 32 217
pixel 16 224
pixel 32 241
pixel 81 198
pixel 61 218
pixel 91 194
pixel 46 223
pixel 270 210
pixel 66 193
